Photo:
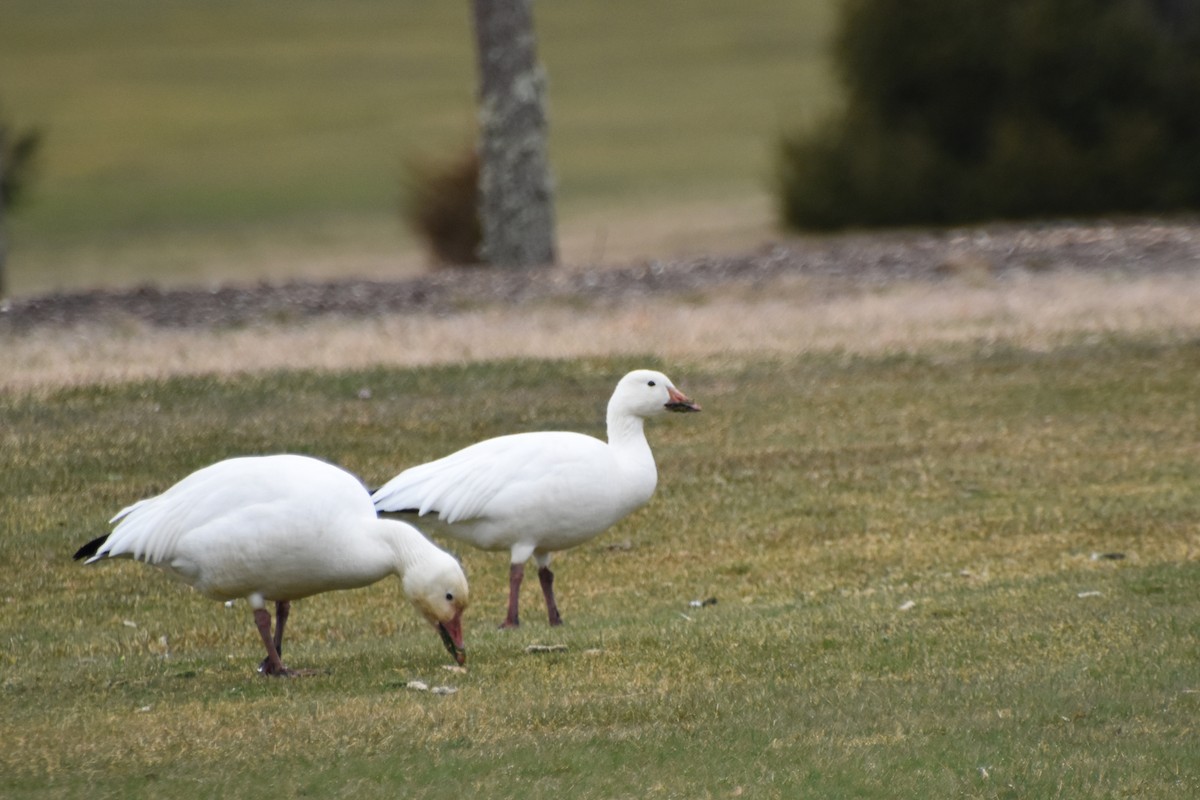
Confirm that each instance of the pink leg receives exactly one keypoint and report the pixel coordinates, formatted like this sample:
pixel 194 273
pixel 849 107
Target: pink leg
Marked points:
pixel 516 573
pixel 282 609
pixel 272 665
pixel 546 577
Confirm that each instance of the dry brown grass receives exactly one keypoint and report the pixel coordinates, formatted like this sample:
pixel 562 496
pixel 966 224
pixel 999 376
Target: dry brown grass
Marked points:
pixel 789 316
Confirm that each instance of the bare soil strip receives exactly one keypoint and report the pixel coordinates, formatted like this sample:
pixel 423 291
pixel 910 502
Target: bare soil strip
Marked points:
pixel 1032 287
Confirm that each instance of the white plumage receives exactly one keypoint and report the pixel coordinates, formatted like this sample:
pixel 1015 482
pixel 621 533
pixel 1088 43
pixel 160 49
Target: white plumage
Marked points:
pixel 535 493
pixel 280 528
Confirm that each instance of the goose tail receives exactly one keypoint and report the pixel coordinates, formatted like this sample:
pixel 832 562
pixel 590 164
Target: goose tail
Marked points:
pixel 90 549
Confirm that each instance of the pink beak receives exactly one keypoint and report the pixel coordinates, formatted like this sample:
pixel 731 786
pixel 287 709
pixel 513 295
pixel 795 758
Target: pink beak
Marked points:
pixel 452 636
pixel 678 401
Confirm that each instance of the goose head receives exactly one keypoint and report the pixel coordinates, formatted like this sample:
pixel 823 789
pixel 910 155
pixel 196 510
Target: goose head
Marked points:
pixel 438 590
pixel 647 393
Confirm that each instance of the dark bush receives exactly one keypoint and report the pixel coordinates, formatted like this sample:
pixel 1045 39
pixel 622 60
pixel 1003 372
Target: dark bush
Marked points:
pixel 963 110
pixel 441 206
pixel 18 155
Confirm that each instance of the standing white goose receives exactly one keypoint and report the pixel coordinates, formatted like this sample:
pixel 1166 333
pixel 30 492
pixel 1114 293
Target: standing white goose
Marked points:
pixel 282 528
pixel 535 493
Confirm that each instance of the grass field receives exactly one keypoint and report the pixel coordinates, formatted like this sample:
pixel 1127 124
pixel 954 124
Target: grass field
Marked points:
pixel 953 529
pixel 193 143
pixel 914 556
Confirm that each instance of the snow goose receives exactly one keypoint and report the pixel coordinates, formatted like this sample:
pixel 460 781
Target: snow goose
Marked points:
pixel 280 528
pixel 535 493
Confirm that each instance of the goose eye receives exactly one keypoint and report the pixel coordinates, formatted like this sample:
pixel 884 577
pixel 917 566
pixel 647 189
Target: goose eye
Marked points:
pixel 651 383
pixel 449 596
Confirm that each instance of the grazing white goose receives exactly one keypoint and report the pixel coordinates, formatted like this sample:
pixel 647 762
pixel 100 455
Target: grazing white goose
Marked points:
pixel 535 493
pixel 282 528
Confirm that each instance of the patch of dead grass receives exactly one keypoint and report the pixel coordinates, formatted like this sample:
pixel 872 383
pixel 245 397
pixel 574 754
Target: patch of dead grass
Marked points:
pixel 787 316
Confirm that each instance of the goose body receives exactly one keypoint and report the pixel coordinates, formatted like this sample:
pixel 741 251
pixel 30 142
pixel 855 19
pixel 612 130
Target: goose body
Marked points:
pixel 563 487
pixel 533 494
pixel 281 528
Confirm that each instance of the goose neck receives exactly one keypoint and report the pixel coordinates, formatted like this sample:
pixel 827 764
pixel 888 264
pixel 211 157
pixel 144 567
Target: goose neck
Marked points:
pixel 625 430
pixel 406 544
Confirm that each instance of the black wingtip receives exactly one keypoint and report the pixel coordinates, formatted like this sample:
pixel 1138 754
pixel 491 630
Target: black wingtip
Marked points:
pixel 90 549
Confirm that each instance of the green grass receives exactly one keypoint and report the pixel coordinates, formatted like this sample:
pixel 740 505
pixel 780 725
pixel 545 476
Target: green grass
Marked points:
pixel 179 134
pixel 814 497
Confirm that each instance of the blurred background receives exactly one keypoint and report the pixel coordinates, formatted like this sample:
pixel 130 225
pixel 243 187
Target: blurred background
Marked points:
pixel 185 143
pixel 188 143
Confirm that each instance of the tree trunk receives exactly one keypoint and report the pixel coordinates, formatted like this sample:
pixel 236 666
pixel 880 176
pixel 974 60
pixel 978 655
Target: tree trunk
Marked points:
pixel 516 194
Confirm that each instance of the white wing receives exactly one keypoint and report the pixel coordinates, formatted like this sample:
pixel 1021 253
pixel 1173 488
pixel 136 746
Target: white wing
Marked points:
pixel 150 530
pixel 460 486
